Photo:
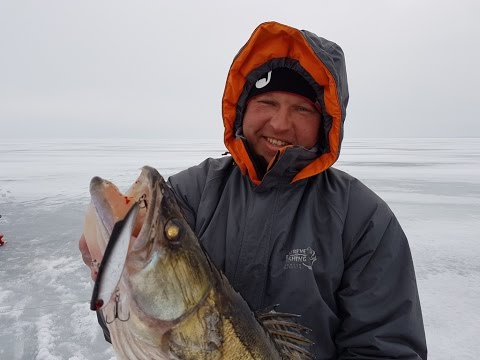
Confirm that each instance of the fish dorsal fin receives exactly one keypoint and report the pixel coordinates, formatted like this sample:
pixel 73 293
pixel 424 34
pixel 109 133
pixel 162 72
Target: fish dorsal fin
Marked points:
pixel 288 335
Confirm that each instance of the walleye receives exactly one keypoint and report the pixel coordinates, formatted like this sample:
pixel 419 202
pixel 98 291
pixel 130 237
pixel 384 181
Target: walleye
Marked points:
pixel 160 295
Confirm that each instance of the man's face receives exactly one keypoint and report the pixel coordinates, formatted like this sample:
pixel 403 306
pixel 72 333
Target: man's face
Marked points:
pixel 276 119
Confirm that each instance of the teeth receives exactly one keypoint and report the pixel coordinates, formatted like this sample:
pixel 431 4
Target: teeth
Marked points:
pixel 277 142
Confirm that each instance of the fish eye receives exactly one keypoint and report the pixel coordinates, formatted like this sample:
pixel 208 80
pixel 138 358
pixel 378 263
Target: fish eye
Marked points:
pixel 172 229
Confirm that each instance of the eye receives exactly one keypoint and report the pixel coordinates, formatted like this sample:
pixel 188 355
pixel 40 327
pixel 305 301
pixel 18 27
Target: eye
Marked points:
pixel 172 230
pixel 266 102
pixel 304 109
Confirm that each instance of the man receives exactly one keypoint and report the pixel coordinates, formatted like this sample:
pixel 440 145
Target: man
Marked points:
pixel 283 225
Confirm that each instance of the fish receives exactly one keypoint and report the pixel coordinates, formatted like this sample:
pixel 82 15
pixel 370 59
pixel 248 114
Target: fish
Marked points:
pixel 159 292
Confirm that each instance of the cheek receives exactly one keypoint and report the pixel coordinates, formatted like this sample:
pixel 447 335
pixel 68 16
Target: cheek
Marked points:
pixel 251 124
pixel 307 132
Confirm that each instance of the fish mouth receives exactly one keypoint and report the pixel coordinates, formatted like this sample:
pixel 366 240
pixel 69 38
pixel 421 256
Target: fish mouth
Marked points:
pixel 111 205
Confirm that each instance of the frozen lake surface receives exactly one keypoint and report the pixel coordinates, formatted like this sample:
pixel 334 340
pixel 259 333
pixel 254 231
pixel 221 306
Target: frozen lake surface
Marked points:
pixel 432 185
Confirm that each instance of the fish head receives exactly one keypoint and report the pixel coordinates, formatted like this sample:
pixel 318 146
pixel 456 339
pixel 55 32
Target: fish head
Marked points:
pixel 167 270
pixel 165 273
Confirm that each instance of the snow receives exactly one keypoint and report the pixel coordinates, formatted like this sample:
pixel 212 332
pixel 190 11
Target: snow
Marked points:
pixel 432 185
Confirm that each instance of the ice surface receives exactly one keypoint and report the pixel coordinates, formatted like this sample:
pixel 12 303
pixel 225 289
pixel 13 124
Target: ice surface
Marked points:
pixel 432 185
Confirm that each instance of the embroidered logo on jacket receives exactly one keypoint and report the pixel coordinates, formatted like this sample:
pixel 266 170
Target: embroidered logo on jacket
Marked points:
pixel 299 258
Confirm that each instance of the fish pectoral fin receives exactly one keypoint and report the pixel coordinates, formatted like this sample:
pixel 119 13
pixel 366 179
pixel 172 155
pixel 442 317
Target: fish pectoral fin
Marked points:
pixel 288 335
pixel 111 268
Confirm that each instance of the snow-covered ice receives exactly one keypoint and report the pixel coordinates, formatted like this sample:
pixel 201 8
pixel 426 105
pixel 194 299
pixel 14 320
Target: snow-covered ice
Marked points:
pixel 432 185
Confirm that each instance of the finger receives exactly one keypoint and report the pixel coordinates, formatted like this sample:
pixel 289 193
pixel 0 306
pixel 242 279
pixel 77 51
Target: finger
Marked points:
pixel 93 273
pixel 83 247
pixel 87 257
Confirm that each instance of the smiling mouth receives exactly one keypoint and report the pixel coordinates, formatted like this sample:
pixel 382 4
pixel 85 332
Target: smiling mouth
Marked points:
pixel 276 142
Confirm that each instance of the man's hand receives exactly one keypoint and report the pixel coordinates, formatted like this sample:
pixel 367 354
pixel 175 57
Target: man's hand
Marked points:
pixel 87 257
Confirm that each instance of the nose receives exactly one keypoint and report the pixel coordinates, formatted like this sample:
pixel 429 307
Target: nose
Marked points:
pixel 280 120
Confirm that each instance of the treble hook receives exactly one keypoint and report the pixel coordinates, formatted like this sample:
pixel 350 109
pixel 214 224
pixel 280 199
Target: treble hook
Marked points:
pixel 115 309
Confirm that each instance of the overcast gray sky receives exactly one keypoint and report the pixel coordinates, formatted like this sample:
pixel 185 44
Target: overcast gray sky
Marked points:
pixel 155 68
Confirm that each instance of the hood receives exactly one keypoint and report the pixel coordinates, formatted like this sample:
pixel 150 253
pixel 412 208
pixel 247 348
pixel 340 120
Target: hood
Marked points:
pixel 320 61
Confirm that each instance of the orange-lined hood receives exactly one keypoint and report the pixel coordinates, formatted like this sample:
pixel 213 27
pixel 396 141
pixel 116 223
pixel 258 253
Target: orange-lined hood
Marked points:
pixel 319 61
